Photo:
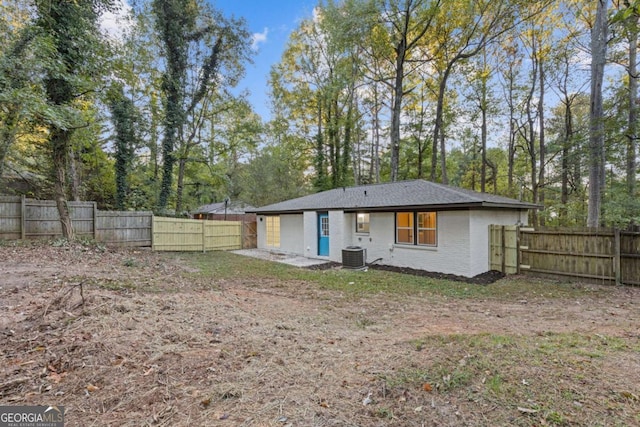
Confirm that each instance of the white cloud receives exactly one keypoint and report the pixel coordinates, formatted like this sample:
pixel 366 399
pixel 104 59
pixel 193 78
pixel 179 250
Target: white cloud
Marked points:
pixel 259 38
pixel 115 24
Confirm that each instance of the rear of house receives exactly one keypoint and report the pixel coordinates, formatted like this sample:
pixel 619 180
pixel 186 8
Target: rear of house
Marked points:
pixel 416 224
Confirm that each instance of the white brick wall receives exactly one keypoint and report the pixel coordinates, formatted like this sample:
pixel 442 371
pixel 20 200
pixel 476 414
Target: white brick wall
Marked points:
pixel 291 229
pixel 463 247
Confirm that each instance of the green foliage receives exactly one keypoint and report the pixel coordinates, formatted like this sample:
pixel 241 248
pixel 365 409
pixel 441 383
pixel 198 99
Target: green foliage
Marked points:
pixel 125 118
pixel 273 176
pixel 204 53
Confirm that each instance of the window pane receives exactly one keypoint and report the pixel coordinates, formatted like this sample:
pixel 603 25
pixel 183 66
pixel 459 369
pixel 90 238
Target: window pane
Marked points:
pixel 427 237
pixel 362 223
pixel 405 219
pixel 273 231
pixel 324 226
pixel 426 220
pixel 427 228
pixel 405 235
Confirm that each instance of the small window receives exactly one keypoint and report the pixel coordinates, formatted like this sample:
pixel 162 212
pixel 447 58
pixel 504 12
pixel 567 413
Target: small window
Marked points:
pixel 404 227
pixel 324 226
pixel 427 228
pixel 362 223
pixel 420 224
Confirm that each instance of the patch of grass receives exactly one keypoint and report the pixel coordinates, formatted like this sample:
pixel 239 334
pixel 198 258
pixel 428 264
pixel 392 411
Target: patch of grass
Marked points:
pixel 129 262
pixel 113 285
pixel 555 418
pixel 511 371
pixel 384 413
pixel 418 344
pixel 226 265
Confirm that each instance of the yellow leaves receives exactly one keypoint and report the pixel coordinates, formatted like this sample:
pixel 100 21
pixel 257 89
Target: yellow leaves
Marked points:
pixel 92 388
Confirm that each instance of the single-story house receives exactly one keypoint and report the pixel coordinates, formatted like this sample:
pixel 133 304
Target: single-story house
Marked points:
pixel 417 224
pixel 229 210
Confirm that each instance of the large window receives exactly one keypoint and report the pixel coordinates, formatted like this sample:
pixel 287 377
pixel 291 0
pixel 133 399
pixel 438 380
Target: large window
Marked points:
pixel 273 231
pixel 362 223
pixel 420 224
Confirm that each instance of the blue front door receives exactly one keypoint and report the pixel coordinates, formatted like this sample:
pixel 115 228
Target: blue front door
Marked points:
pixel 323 234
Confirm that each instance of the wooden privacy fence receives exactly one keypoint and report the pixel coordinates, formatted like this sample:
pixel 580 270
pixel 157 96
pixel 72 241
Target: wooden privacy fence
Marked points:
pixel 605 255
pixel 175 234
pixel 22 218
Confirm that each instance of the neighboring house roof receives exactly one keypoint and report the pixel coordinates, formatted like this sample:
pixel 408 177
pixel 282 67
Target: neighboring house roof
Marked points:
pixel 233 208
pixel 400 195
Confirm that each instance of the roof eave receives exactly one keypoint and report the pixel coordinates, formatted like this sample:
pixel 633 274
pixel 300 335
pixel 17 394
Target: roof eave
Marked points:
pixel 442 206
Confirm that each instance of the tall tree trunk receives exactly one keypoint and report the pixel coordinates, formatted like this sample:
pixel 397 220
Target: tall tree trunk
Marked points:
pixel 347 145
pixel 483 139
pixel 632 136
pixel 437 128
pixel 531 141
pixel 541 139
pixel 320 161
pixel 396 112
pixel 511 155
pixel 182 163
pixel 374 171
pixel 59 155
pixel 596 115
pixel 566 147
pixel 74 177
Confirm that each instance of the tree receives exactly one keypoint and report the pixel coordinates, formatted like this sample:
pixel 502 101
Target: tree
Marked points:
pixel 202 50
pixel 71 75
pixel 125 118
pixel 626 20
pixel 599 33
pixel 316 84
pixel 405 24
pixel 23 60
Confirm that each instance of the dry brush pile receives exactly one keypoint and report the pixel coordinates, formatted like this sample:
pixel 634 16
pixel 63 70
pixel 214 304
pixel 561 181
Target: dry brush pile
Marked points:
pixel 130 337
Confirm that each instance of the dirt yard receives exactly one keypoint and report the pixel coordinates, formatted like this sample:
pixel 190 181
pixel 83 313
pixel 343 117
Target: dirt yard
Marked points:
pixel 136 338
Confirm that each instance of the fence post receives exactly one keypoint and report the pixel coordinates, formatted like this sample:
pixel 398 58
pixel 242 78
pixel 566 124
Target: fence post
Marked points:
pixel 616 258
pixel 95 221
pixel 153 239
pixel 518 256
pixel 23 213
pixel 503 243
pixel 204 237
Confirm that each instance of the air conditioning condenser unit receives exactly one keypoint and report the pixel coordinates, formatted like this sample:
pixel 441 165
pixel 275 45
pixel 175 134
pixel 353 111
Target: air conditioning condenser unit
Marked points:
pixel 354 257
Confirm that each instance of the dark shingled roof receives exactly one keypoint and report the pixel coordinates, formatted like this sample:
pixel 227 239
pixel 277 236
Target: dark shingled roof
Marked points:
pixel 233 208
pixel 394 196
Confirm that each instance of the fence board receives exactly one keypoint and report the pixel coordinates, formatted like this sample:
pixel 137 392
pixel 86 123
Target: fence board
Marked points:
pixel 578 253
pixel 630 258
pixel 10 217
pixel 605 255
pixel 222 235
pixel 22 218
pixel 41 219
pixel 175 234
pixel 124 228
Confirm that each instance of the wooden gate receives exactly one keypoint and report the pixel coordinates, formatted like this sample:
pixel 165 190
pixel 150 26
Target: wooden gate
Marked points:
pixel 249 234
pixel 503 249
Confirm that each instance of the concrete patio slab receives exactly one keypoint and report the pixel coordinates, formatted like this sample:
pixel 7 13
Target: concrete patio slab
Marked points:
pixel 290 259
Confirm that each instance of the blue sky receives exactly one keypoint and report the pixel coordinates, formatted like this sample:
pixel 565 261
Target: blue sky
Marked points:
pixel 270 22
